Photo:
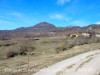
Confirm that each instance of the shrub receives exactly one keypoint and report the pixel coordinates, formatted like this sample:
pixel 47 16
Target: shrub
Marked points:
pixel 25 48
pixel 94 40
pixel 77 41
pixel 81 40
pixel 60 49
pixel 22 53
pixel 69 44
pixel 73 36
pixel 92 34
pixel 10 54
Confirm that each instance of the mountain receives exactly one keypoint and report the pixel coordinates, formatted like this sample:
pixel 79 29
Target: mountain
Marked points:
pixel 92 26
pixel 75 29
pixel 40 28
pixel 45 27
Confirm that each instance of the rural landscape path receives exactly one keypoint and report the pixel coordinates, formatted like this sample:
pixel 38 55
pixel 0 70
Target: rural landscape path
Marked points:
pixel 83 64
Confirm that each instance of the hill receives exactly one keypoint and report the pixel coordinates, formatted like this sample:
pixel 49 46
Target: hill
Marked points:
pixel 40 28
pixel 45 27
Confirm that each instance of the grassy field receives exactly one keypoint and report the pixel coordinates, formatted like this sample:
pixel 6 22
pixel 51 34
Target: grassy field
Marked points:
pixel 97 31
pixel 45 55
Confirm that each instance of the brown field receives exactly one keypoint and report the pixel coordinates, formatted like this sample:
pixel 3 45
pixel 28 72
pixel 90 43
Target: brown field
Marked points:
pixel 44 55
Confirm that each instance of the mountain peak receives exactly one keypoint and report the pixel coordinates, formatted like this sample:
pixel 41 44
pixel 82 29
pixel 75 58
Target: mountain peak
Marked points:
pixel 44 22
pixel 44 25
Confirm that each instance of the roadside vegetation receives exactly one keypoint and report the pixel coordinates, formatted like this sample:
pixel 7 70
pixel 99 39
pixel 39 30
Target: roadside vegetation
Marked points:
pixel 71 42
pixel 30 53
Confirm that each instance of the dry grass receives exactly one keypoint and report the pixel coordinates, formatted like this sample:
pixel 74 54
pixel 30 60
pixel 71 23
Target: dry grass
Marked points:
pixel 45 55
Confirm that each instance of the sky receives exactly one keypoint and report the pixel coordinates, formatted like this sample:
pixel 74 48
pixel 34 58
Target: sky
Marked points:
pixel 61 13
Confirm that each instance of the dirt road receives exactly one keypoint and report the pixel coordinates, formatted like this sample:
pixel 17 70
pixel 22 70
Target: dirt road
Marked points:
pixel 83 64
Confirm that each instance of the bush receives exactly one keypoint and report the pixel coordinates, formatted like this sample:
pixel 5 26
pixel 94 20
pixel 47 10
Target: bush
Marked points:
pixel 77 41
pixel 81 40
pixel 25 48
pixel 60 49
pixel 69 45
pixel 94 40
pixel 10 54
pixel 22 53
pixel 92 34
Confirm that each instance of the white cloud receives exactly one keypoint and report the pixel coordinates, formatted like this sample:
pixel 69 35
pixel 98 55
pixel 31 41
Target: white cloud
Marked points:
pixel 19 17
pixel 56 16
pixel 62 2
pixel 16 14
pixel 2 21
pixel 80 23
pixel 59 17
pixel 97 22
pixel 67 20
pixel 5 22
